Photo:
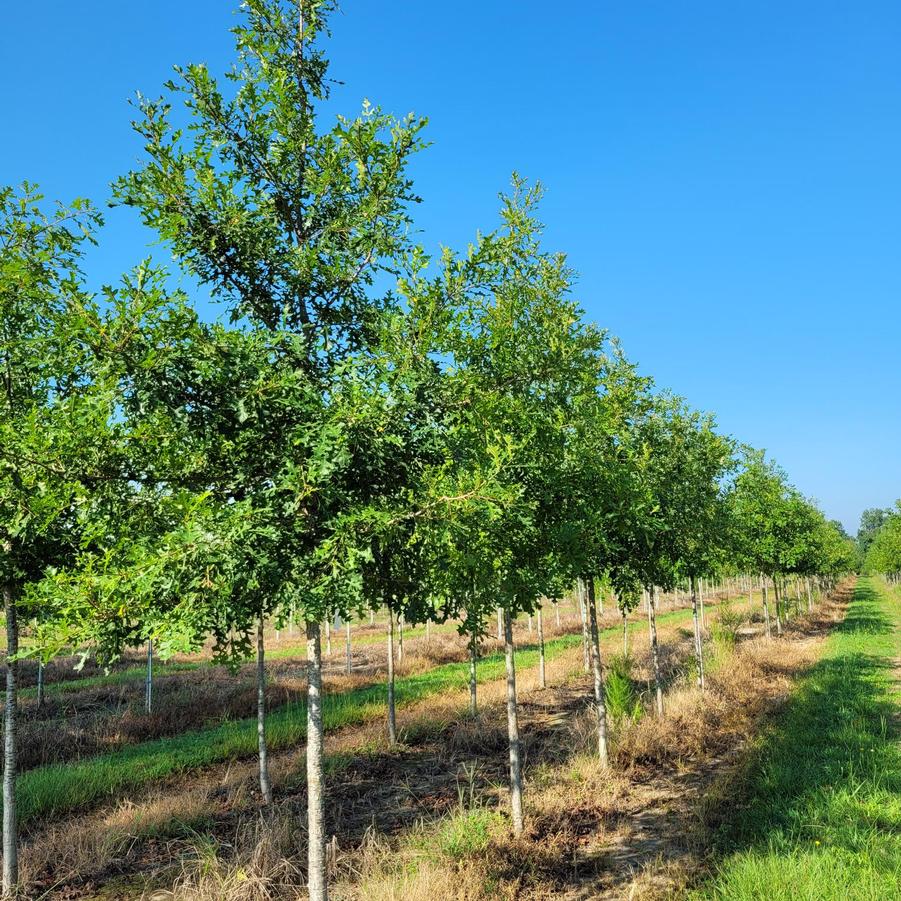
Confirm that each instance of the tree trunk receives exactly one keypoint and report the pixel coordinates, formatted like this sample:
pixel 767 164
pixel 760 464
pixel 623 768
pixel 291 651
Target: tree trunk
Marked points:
pixel 655 652
pixel 586 650
pixel 10 733
pixel 625 635
pixel 500 624
pixel 701 604
pixel 148 679
pixel 316 879
pixel 699 645
pixel 557 615
pixel 600 701
pixel 542 673
pixel 766 613
pixel 473 676
pixel 400 638
pixel 265 785
pixel 347 650
pixel 392 720
pixel 809 595
pixel 40 683
pixel 778 595
pixel 513 729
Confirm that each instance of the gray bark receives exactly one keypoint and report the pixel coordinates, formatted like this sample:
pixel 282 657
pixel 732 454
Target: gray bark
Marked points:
pixel 600 701
pixel 766 613
pixel 500 624
pixel 542 669
pixel 586 651
pixel 699 644
pixel 265 784
pixel 400 638
pixel 778 595
pixel 473 676
pixel 557 615
pixel 316 876
pixel 655 652
pixel 148 679
pixel 392 720
pixel 625 635
pixel 10 733
pixel 513 729
pixel 809 596
pixel 347 649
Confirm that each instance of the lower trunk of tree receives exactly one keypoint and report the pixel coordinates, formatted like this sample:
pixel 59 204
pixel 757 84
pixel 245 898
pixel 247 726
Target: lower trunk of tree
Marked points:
pixel 10 733
pixel 513 729
pixel 265 784
pixel 778 596
pixel 701 605
pixel 655 652
pixel 600 700
pixel 583 612
pixel 347 648
pixel 148 679
pixel 316 876
pixel 473 675
pixel 40 683
pixel 392 719
pixel 400 638
pixel 625 635
pixel 809 595
pixel 542 671
pixel 699 644
pixel 766 614
pixel 557 615
pixel 500 624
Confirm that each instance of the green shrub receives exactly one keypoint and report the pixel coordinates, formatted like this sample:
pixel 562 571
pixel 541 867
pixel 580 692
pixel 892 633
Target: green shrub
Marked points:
pixel 622 698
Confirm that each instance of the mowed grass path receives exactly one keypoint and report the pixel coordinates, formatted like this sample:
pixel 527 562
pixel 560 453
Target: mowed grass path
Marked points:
pixel 818 812
pixel 58 789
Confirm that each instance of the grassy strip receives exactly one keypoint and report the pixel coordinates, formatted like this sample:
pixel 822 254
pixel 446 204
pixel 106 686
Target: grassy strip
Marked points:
pixel 61 788
pixel 818 814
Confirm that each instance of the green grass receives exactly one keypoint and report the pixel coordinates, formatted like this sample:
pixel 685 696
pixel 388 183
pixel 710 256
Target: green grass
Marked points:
pixel 61 788
pixel 818 812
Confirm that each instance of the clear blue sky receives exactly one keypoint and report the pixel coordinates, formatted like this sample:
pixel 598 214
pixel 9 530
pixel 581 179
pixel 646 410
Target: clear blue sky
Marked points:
pixel 726 177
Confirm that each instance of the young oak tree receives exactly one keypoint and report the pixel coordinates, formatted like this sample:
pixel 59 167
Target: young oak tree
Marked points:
pixel 288 220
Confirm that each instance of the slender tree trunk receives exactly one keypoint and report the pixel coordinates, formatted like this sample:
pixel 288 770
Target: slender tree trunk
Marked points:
pixel 701 604
pixel 265 784
pixel 316 878
pixel 586 651
pixel 372 617
pixel 392 719
pixel 699 645
pixel 347 648
pixel 530 625
pixel 500 624
pixel 778 597
pixel 557 615
pixel 148 679
pixel 766 613
pixel 10 734
pixel 400 638
pixel 542 672
pixel 625 634
pixel 40 683
pixel 655 652
pixel 473 675
pixel 600 700
pixel 809 596
pixel 513 729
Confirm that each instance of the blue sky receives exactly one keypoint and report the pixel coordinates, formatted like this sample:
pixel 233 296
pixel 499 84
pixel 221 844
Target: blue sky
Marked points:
pixel 723 176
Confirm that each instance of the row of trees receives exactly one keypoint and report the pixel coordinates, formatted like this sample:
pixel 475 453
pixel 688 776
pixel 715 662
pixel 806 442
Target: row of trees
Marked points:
pixel 879 540
pixel 458 443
